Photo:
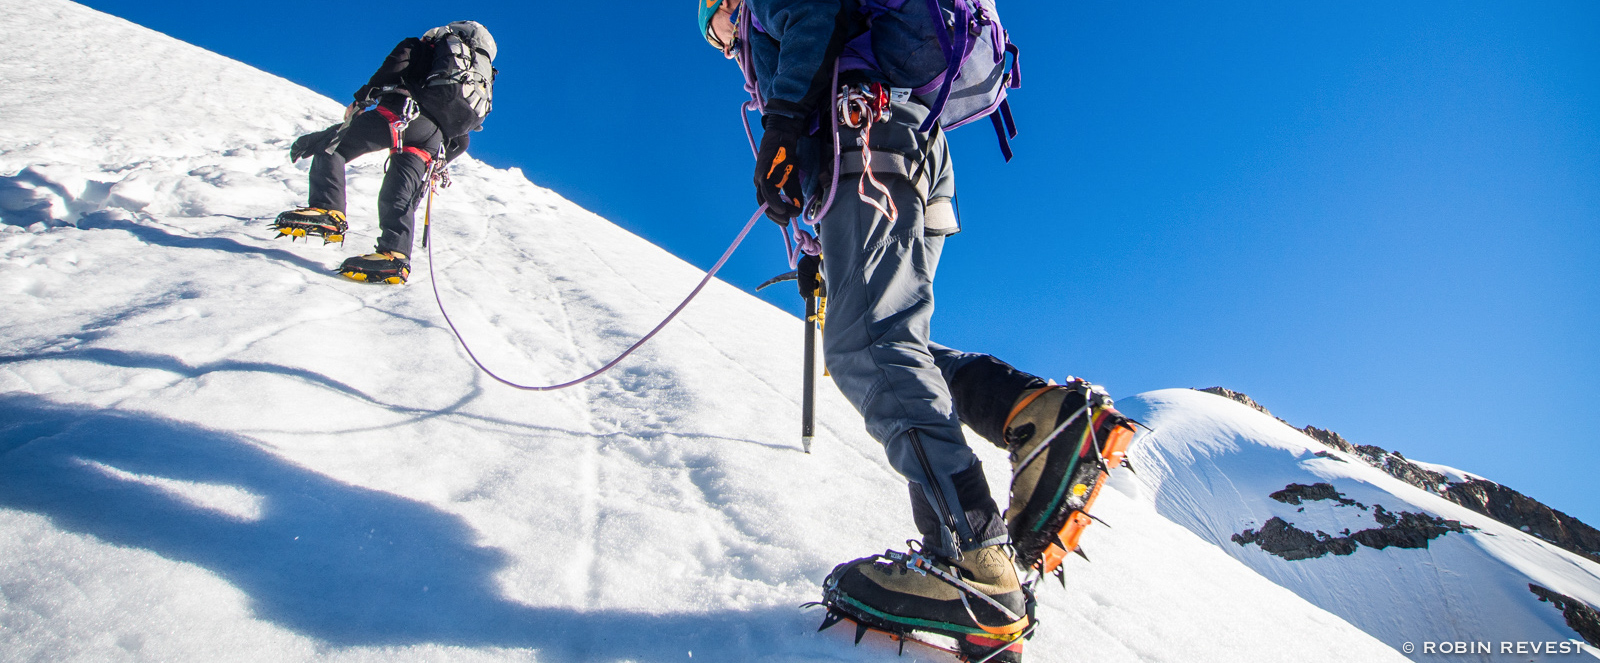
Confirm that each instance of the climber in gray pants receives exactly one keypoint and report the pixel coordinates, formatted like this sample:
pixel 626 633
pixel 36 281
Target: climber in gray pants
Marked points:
pixel 880 302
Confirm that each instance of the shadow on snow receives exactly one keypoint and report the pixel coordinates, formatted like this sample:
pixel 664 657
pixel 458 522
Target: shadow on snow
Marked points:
pixel 343 564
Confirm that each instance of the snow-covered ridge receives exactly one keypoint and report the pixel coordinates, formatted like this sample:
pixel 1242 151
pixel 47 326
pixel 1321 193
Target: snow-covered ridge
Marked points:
pixel 1491 499
pixel 1404 564
pixel 213 449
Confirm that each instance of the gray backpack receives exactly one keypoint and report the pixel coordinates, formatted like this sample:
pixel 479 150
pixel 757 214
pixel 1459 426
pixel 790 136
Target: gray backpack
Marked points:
pixel 953 54
pixel 460 88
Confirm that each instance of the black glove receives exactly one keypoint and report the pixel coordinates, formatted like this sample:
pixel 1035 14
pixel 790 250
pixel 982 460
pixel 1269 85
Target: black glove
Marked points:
pixel 777 170
pixel 312 143
pixel 455 146
pixel 809 275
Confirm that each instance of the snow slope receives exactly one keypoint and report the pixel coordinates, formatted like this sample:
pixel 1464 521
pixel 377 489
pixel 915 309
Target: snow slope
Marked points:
pixel 1214 464
pixel 213 449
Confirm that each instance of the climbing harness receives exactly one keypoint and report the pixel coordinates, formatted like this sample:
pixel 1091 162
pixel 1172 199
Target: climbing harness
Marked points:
pixel 859 107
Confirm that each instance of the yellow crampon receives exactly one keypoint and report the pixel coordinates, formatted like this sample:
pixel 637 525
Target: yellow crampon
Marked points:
pixel 303 222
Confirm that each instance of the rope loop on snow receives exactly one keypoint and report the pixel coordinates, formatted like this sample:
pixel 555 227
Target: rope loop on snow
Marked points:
pixel 434 281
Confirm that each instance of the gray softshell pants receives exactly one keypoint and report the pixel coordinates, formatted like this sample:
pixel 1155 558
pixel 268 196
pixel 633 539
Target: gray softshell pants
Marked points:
pixel 913 393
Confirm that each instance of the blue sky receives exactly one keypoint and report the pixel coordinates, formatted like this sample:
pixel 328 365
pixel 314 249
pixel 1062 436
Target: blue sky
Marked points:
pixel 1380 218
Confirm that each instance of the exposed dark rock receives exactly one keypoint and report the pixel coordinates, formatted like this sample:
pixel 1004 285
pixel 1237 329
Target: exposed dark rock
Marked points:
pixel 1329 456
pixel 1580 616
pixel 1240 398
pixel 1294 493
pixel 1486 497
pixel 1403 530
pixel 1389 461
pixel 1331 439
pixel 1410 530
pixel 1280 538
pixel 1520 511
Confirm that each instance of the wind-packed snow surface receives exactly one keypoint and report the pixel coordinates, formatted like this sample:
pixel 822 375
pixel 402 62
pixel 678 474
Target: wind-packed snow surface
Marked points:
pixel 212 449
pixel 1224 471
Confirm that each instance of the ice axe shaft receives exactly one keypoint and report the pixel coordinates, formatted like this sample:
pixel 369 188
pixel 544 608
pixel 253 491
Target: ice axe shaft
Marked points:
pixel 808 397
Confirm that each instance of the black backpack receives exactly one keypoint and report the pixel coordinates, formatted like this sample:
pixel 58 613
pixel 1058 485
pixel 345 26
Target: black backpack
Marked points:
pixel 459 90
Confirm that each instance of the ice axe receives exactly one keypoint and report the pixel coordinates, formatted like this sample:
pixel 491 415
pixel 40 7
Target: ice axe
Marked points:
pixel 811 288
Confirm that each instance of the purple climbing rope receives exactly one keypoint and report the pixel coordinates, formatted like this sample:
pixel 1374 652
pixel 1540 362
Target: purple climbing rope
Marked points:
pixel 638 344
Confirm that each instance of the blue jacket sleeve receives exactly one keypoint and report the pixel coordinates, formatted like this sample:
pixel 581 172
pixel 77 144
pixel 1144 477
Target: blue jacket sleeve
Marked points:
pixel 808 34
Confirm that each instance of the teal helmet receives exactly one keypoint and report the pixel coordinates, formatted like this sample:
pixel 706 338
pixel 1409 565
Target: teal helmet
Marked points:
pixel 708 10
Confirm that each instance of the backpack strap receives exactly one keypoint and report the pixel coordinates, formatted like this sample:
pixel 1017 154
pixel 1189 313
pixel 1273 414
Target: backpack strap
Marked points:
pixel 1005 128
pixel 954 46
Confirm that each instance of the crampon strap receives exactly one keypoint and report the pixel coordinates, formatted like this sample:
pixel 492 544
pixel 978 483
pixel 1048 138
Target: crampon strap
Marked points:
pixel 922 564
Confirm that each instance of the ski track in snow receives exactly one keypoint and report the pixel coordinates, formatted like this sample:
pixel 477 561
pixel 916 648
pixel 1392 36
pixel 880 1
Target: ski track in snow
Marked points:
pixel 213 449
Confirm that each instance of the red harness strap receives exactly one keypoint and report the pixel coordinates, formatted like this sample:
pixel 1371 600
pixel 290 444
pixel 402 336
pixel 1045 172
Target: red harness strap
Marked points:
pixel 421 154
pixel 397 125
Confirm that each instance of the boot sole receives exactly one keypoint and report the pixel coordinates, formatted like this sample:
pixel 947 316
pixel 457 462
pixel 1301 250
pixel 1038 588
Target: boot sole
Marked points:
pixel 364 277
pixel 294 231
pixel 969 648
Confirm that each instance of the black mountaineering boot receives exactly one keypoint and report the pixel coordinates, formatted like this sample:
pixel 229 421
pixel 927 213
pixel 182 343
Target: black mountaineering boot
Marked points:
pixel 1063 440
pixel 312 222
pixel 978 600
pixel 382 267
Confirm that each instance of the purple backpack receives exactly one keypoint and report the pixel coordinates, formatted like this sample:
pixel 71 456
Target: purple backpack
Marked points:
pixel 956 64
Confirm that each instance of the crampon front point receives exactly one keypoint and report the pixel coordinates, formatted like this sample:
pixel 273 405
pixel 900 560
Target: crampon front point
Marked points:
pixel 1047 534
pixel 977 628
pixel 968 648
pixel 311 222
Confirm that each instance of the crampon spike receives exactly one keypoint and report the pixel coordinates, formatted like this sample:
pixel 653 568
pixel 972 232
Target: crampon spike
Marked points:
pixel 902 646
pixel 829 620
pixel 1082 554
pixel 1061 574
pixel 1096 519
pixel 861 632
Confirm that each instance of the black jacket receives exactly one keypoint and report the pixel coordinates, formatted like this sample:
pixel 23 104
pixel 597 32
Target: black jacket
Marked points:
pixel 406 69
pixel 407 66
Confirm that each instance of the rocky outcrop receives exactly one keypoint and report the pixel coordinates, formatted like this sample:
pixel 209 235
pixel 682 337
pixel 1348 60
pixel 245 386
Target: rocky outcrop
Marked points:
pixel 1580 616
pixel 1298 494
pixel 1391 462
pixel 1280 538
pixel 1406 529
pixel 1527 514
pixel 1402 530
pixel 1486 497
pixel 1241 398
